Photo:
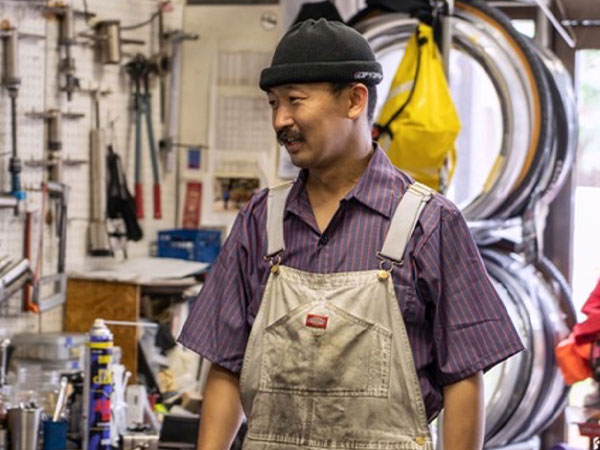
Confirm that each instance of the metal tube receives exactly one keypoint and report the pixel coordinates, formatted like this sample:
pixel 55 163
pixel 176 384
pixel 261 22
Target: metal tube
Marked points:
pixel 97 174
pixel 62 248
pixel 569 39
pixel 10 65
pixel 108 34
pixel 542 29
pixel 3 354
pixel 8 202
pixel 67 30
pixel 14 273
pixel 447 38
pixel 13 124
pixel 99 244
pixel 66 38
pixel 153 157
pixel 12 81
pixel 14 164
pixel 55 145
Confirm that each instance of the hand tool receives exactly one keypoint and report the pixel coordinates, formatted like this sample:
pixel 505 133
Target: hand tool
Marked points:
pixel 139 69
pixel 168 156
pixel 13 279
pixel 4 343
pixel 120 204
pixel 12 81
pixel 108 41
pixel 98 242
pixel 54 160
pixel 62 398
pixel 28 304
pixel 59 193
pixel 66 39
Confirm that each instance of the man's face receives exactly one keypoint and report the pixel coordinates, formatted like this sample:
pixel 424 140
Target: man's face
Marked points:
pixel 311 122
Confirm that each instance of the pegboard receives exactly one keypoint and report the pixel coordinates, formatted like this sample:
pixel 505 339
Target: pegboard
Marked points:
pixel 39 91
pixel 256 134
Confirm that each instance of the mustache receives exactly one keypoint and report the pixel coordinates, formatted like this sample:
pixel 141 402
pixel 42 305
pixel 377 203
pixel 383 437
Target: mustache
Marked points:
pixel 286 134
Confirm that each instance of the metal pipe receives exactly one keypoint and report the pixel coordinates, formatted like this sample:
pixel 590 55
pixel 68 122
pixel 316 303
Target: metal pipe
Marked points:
pixel 66 39
pixel 8 202
pixel 447 37
pixel 108 41
pixel 12 81
pixel 14 273
pixel 3 356
pixel 55 145
pixel 10 64
pixel 5 262
pixel 131 323
pixel 99 244
pixel 542 29
pixel 570 40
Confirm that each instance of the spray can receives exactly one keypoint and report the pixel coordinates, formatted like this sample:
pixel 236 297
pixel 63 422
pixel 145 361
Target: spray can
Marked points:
pixel 98 388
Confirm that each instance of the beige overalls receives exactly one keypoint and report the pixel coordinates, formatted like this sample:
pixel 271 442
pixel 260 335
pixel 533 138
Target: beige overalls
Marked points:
pixel 328 362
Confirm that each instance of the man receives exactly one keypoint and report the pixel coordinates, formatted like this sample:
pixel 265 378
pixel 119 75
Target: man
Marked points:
pixel 353 302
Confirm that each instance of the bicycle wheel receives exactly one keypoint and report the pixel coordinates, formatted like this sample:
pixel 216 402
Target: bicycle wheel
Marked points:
pixel 498 56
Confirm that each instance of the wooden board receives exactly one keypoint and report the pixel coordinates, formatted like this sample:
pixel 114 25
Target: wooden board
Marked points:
pixel 91 299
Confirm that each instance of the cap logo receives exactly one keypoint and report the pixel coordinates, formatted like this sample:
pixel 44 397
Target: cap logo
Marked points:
pixel 365 75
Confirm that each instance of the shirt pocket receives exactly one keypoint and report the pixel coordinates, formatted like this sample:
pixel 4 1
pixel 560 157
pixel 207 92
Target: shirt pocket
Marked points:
pixel 319 348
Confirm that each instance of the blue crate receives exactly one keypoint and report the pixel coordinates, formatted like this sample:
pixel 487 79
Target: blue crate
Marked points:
pixel 193 245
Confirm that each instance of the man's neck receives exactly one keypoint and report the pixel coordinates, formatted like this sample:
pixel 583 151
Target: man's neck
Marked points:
pixel 335 181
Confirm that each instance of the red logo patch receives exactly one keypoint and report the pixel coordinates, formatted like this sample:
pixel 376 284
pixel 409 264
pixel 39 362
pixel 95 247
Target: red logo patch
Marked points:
pixel 314 321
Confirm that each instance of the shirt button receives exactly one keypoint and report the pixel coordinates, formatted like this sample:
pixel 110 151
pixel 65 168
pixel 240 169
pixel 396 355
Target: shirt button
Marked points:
pixel 324 240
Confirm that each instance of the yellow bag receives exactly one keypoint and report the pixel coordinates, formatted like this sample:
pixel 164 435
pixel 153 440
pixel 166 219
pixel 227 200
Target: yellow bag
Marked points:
pixel 418 123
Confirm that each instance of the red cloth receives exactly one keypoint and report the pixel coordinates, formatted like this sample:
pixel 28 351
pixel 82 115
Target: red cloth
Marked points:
pixel 589 330
pixel 592 304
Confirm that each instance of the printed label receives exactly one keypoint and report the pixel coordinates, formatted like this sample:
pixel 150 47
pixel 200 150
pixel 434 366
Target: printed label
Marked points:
pixel 375 76
pixel 100 392
pixel 315 321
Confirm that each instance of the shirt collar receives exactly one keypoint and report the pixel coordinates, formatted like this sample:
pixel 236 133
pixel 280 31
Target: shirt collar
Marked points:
pixel 379 188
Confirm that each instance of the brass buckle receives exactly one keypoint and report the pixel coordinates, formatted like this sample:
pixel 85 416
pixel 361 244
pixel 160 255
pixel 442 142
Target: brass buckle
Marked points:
pixel 274 262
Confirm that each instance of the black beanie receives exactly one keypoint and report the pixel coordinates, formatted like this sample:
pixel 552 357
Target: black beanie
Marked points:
pixel 321 51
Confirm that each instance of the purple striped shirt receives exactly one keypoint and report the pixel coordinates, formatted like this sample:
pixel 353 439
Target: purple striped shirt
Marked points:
pixel 456 322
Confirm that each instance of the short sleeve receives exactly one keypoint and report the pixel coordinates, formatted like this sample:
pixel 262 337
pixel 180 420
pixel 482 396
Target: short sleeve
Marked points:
pixel 216 327
pixel 472 330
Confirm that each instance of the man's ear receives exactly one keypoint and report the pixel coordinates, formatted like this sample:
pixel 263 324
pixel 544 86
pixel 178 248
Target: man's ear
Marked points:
pixel 358 100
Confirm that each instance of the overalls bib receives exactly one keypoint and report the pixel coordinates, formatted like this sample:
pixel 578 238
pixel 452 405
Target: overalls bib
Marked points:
pixel 328 363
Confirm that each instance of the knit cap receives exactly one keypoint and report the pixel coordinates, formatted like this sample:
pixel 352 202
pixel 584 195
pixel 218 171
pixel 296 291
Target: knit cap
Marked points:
pixel 321 51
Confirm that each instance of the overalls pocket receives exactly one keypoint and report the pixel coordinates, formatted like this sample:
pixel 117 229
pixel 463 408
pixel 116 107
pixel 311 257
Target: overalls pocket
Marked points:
pixel 322 349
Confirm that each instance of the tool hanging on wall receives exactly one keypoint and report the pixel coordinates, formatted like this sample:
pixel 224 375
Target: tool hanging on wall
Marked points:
pixel 54 160
pixel 109 42
pixel 28 304
pixel 162 60
pixel 120 202
pixel 11 81
pixel 170 131
pixel 59 193
pixel 98 242
pixel 139 70
pixel 13 278
pixel 66 40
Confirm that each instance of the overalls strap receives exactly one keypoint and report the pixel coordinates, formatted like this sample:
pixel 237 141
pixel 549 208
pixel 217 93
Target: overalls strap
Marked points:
pixel 404 221
pixel 275 209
